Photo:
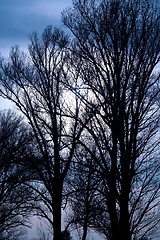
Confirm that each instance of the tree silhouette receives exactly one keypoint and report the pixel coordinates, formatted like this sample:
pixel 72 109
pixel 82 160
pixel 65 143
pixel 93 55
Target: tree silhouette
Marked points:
pixel 37 85
pixel 93 106
pixel 117 43
pixel 15 139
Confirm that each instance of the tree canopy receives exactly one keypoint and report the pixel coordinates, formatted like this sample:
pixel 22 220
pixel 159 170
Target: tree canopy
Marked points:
pixel 15 196
pixel 91 99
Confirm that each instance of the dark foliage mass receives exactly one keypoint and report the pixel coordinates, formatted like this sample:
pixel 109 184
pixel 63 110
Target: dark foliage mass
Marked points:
pixel 66 235
pixel 90 143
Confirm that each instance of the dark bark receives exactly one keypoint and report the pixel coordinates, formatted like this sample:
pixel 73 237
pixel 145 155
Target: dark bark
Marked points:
pixel 57 201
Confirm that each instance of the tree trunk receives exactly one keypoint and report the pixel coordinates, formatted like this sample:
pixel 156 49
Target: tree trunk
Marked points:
pixel 114 231
pixel 112 195
pixel 84 236
pixel 57 212
pixel 124 224
pixel 124 212
pixel 124 221
pixel 113 217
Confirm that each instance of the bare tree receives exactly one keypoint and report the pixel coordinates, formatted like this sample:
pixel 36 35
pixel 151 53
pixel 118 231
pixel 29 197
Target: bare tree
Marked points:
pixel 15 142
pixel 117 43
pixel 36 84
pixel 84 193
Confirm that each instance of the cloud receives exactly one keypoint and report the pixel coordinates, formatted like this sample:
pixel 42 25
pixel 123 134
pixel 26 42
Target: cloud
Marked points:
pixel 20 18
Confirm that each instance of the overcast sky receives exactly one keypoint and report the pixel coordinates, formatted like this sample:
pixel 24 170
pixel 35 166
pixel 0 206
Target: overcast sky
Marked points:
pixel 19 18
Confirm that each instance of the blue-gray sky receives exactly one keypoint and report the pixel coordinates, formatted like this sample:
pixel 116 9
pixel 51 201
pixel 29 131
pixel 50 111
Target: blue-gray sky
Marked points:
pixel 19 18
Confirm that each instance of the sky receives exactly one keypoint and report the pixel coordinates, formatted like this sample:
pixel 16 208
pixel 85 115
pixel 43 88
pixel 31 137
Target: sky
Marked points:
pixel 19 18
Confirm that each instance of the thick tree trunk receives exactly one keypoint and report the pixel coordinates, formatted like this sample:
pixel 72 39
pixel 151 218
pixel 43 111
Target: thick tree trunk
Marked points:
pixel 113 217
pixel 57 223
pixel 112 209
pixel 84 236
pixel 124 222
pixel 57 212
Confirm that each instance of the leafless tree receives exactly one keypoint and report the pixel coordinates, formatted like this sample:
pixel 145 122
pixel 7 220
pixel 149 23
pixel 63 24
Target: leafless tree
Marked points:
pixel 84 194
pixel 118 46
pixel 36 83
pixel 15 142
